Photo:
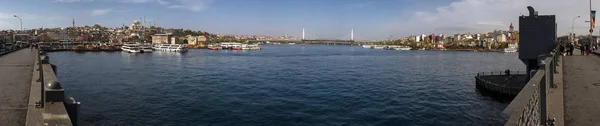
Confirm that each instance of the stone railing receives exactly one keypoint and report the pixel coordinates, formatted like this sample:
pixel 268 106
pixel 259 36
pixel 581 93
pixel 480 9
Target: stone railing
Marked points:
pixel 529 107
pixel 51 107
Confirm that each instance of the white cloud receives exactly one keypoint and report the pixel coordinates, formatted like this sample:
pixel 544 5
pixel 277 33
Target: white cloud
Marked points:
pixel 193 5
pixel 98 12
pixel 71 1
pixel 8 21
pixel 163 2
pixel 474 16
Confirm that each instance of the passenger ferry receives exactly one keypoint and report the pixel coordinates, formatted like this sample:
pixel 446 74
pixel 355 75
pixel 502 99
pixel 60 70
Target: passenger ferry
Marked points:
pixel 130 48
pixel 170 47
pixel 378 47
pixel 177 48
pixel 146 48
pixel 231 45
pixel 250 47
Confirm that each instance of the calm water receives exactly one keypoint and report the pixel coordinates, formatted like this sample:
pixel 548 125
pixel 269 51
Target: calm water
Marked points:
pixel 283 85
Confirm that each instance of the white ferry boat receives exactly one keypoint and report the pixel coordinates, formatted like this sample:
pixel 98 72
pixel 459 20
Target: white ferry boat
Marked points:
pixel 378 47
pixel 254 47
pixel 161 47
pixel 213 47
pixel 225 45
pixel 145 48
pixel 130 48
pixel 177 48
pixel 250 47
pixel 403 48
pixel 231 45
pixel 368 46
pixel 508 50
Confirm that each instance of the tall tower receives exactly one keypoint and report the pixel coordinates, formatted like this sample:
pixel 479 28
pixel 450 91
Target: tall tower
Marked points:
pixel 352 34
pixel 302 33
pixel 73 22
pixel 511 28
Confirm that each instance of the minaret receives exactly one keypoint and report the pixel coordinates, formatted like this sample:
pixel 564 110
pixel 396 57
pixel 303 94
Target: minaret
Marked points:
pixel 73 22
pixel 352 34
pixel 302 33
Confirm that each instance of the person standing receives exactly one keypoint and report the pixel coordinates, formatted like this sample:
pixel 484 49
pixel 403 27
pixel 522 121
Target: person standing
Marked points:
pixel 571 48
pixel 562 49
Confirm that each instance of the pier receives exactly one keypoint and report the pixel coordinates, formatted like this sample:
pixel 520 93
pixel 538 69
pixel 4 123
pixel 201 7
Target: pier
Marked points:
pixel 562 90
pixel 26 79
pixel 507 83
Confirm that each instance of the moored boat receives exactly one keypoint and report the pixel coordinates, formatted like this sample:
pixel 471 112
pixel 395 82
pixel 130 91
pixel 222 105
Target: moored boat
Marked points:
pixel 213 47
pixel 508 50
pixel 130 48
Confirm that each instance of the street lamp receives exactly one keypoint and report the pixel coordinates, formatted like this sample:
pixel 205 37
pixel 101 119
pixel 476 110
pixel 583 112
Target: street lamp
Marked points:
pixel 20 20
pixel 573 24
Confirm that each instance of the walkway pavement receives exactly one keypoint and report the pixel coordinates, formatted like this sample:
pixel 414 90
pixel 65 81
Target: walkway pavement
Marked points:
pixel 582 89
pixel 15 81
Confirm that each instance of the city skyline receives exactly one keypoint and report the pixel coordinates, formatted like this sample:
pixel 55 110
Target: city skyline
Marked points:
pixel 321 19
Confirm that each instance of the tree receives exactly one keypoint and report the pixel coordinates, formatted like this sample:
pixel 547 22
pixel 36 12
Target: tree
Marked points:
pixel 147 37
pixel 97 26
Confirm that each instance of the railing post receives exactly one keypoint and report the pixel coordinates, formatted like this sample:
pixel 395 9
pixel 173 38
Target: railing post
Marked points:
pixel 41 74
pixel 543 89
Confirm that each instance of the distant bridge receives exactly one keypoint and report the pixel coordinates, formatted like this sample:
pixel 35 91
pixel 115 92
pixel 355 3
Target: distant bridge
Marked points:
pixel 318 41
pixel 351 41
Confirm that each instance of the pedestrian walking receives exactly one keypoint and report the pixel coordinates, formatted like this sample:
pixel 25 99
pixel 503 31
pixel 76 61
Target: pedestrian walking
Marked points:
pixel 587 49
pixel 581 49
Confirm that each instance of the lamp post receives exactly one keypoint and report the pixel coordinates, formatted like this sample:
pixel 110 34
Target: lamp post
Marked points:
pixel 573 28
pixel 20 20
pixel 592 22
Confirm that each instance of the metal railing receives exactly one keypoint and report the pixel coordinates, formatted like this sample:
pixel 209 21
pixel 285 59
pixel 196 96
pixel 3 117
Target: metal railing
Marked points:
pixel 492 73
pixel 40 104
pixel 530 105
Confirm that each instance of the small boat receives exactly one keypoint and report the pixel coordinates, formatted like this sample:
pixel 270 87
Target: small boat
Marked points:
pixel 508 50
pixel 291 43
pixel 213 47
pixel 78 48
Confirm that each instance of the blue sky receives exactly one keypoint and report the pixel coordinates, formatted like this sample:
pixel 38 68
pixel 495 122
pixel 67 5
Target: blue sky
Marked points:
pixel 370 19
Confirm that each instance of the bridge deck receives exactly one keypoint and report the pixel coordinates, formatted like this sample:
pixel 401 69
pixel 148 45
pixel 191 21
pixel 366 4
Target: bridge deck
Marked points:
pixel 582 89
pixel 15 81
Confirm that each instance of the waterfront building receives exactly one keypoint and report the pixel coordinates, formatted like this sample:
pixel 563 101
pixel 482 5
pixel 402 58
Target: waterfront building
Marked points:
pixel 173 40
pixel 501 38
pixel 194 40
pixel 457 37
pixel 161 38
